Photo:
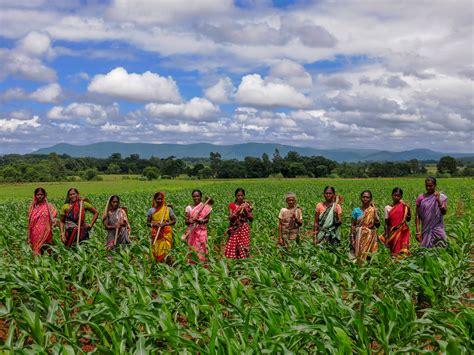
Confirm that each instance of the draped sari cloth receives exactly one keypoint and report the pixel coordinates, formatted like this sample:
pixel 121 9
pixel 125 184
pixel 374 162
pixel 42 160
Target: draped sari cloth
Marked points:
pixel 72 222
pixel 164 240
pixel 398 238
pixel 433 234
pixel 366 239
pixel 197 238
pixel 238 244
pixel 123 232
pixel 329 230
pixel 40 229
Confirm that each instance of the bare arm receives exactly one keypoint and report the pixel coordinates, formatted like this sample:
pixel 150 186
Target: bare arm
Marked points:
pixel 94 217
pixel 316 226
pixel 353 231
pixel 172 221
pixel 62 228
pixel 441 205
pixel 418 224
pixel 280 230
pixel 408 218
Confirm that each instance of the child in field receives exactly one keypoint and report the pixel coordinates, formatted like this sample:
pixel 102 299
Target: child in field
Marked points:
pixel 290 221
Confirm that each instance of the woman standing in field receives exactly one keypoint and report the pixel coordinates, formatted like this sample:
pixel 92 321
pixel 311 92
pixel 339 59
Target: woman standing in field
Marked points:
pixel 74 228
pixel 365 222
pixel 115 220
pixel 430 208
pixel 197 217
pixel 41 218
pixel 328 218
pixel 240 213
pixel 397 232
pixel 290 221
pixel 160 218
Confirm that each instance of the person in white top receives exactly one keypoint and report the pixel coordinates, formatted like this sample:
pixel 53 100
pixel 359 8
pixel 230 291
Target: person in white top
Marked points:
pixel 290 221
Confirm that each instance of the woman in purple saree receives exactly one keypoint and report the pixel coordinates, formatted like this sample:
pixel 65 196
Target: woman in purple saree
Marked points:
pixel 430 208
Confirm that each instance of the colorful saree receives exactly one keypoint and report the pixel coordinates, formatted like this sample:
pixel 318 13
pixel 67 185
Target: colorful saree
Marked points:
pixel 164 239
pixel 366 239
pixel 122 234
pixel 329 231
pixel 40 231
pixel 433 234
pixel 197 233
pixel 238 244
pixel 398 238
pixel 71 212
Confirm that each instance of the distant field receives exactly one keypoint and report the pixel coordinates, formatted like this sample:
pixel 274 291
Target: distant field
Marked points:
pixel 110 184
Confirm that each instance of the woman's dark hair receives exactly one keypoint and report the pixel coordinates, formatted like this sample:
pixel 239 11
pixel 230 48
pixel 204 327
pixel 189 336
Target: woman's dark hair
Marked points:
pixel 40 189
pixel 198 191
pixel 114 196
pixel 397 190
pixel 432 179
pixel 330 188
pixel 239 189
pixel 366 192
pixel 68 191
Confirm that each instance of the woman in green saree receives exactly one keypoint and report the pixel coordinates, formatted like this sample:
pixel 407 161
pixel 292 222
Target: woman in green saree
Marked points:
pixel 328 218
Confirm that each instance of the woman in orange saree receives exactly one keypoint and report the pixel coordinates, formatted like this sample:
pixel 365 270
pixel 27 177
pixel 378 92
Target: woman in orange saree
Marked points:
pixel 365 221
pixel 397 232
pixel 160 218
pixel 41 218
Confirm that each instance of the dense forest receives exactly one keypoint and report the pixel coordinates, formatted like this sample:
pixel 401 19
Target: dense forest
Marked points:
pixel 54 167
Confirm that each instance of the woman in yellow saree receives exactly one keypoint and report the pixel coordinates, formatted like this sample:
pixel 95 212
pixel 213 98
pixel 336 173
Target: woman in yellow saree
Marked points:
pixel 160 218
pixel 365 222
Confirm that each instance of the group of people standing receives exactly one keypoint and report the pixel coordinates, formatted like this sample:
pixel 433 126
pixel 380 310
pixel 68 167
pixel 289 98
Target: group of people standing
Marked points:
pixel 364 238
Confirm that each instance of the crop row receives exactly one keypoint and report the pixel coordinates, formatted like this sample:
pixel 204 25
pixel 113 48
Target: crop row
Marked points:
pixel 307 301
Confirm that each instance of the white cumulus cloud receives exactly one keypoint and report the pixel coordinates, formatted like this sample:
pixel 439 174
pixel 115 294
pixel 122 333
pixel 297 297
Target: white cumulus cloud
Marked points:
pixel 49 93
pixel 13 124
pixel 93 114
pixel 253 90
pixel 197 108
pixel 136 87
pixel 221 91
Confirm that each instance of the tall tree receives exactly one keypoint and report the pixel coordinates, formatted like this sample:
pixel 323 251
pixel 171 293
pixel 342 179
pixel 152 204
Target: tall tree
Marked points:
pixel 447 164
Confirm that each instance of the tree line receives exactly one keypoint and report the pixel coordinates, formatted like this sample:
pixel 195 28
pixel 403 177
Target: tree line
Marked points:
pixel 54 167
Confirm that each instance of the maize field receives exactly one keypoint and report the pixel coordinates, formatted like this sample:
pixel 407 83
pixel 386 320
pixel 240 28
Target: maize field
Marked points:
pixel 310 300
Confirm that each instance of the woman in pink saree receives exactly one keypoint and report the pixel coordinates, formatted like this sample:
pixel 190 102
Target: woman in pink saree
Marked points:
pixel 430 209
pixel 41 218
pixel 197 217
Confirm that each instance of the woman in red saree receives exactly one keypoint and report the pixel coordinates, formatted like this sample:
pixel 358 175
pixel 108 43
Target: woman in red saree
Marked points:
pixel 73 221
pixel 41 218
pixel 197 217
pixel 240 213
pixel 397 232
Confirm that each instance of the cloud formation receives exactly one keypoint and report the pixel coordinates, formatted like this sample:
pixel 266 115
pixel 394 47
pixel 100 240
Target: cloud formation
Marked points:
pixel 311 73
pixel 253 90
pixel 135 87
pixel 197 108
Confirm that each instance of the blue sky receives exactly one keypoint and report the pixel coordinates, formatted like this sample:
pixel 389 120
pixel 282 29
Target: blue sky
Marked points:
pixel 325 74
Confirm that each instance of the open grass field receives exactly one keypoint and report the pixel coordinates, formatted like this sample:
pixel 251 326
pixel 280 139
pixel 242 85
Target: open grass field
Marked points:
pixel 311 300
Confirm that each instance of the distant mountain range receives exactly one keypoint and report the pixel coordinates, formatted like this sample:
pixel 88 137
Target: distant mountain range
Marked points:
pixel 238 151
